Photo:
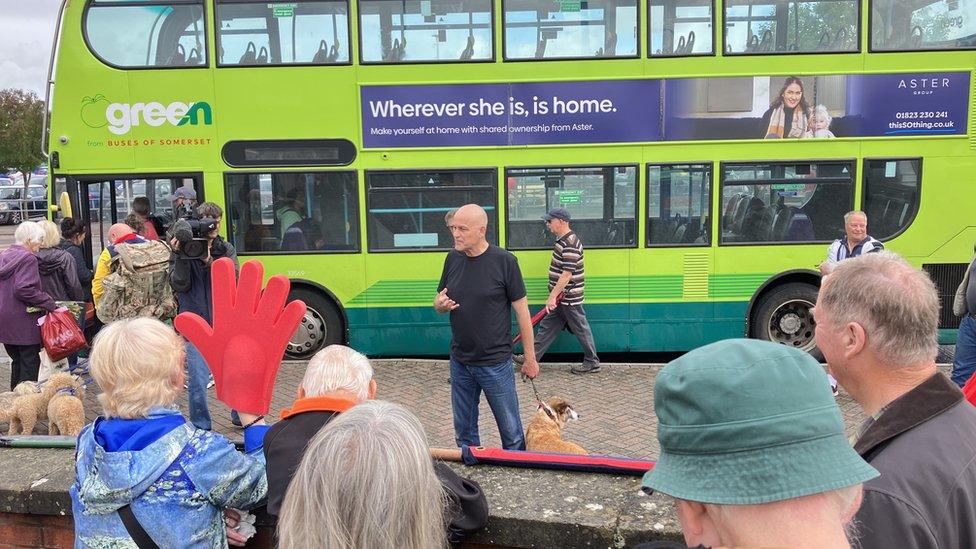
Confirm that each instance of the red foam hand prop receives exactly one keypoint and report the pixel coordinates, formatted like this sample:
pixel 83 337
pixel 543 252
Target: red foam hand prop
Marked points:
pixel 250 330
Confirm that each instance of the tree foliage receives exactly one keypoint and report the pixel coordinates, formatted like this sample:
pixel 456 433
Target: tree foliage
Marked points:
pixel 21 125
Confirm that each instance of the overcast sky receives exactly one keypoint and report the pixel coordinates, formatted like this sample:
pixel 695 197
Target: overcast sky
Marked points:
pixel 27 28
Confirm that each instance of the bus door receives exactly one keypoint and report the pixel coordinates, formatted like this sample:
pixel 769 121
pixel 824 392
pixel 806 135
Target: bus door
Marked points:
pixel 101 201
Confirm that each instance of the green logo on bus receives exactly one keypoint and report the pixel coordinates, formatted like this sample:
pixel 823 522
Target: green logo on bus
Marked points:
pixel 97 112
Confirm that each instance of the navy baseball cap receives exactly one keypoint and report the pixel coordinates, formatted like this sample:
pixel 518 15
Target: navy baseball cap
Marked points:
pixel 557 213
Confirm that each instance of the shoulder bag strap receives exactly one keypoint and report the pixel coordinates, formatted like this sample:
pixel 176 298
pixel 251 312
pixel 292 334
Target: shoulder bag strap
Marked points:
pixel 135 530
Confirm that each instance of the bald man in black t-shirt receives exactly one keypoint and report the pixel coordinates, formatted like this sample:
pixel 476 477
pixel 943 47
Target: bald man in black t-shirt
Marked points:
pixel 480 285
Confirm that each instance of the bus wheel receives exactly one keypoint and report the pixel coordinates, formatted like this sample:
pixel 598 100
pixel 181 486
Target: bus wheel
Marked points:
pixel 785 316
pixel 321 326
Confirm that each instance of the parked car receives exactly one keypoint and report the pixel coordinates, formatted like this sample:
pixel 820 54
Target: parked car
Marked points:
pixel 12 203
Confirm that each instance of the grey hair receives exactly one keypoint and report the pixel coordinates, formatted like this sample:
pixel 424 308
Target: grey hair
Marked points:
pixel 896 304
pixel 838 503
pixel 28 233
pixel 852 213
pixel 338 368
pixel 366 480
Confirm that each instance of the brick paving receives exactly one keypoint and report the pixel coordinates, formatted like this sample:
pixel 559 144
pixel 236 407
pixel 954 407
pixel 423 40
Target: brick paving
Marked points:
pixel 615 405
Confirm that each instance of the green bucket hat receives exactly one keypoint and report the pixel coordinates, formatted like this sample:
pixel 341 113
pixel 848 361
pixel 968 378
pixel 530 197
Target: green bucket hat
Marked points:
pixel 743 421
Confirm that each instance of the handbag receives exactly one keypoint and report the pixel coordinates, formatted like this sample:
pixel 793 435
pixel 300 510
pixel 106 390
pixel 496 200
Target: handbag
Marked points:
pixel 61 335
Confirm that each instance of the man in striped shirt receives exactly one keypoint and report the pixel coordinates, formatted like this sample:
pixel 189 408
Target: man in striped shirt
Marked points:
pixel 566 276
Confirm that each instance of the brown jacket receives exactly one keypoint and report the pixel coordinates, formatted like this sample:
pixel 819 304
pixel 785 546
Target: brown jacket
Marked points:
pixel 924 446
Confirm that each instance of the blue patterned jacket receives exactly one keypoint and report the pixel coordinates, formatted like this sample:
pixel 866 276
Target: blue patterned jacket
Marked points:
pixel 178 480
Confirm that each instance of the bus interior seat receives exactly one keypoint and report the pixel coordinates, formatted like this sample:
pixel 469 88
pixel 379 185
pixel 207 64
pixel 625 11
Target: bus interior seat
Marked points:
pixel 703 230
pixel 686 45
pixel 250 54
pixel 262 58
pixel 800 228
pixel 791 225
pixel 610 45
pixel 398 51
pixel 322 54
pixel 679 233
pixel 293 240
pixel 741 207
pixel 730 209
pixel 751 226
pixel 468 51
pixel 178 58
pixel 194 58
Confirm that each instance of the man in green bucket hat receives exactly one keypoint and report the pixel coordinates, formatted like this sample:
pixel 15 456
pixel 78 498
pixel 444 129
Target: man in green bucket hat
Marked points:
pixel 753 448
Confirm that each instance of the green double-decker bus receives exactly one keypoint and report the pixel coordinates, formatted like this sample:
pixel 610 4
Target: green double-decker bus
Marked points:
pixel 707 150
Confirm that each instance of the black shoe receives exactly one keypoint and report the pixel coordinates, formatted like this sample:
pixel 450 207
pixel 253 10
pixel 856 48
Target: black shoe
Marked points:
pixel 518 359
pixel 584 369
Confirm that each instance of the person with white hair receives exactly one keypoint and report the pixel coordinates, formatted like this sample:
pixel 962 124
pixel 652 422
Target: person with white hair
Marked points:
pixel 366 480
pixel 337 379
pixel 856 241
pixel 142 470
pixel 877 326
pixel 20 288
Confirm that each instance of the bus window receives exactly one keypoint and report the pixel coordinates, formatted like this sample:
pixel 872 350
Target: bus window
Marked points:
pixel 134 34
pixel 406 210
pixel 293 212
pixel 757 27
pixel 570 29
pixel 678 198
pixel 897 25
pixel 679 28
pixel 600 199
pixel 891 195
pixel 293 33
pixel 425 31
pixel 785 202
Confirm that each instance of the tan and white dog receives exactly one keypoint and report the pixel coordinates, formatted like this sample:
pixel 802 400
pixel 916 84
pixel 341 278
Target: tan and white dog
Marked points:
pixel 545 431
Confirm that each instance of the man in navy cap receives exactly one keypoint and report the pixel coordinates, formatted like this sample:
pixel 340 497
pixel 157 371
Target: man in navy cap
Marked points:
pixel 566 277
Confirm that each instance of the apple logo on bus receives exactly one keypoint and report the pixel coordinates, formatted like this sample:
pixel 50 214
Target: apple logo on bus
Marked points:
pixel 122 117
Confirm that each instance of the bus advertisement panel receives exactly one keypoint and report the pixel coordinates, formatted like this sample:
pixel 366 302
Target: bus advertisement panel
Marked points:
pixel 648 110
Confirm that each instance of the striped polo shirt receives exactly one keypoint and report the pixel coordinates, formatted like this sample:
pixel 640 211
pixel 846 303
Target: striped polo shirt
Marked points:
pixel 567 255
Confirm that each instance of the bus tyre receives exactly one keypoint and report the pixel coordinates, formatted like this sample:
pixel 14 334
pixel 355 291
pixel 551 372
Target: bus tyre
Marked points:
pixel 321 326
pixel 784 315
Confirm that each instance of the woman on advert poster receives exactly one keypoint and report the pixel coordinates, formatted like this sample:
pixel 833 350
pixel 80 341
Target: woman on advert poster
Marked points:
pixel 789 113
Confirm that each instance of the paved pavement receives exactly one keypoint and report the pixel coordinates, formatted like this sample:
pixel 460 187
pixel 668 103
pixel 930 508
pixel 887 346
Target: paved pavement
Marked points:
pixel 615 405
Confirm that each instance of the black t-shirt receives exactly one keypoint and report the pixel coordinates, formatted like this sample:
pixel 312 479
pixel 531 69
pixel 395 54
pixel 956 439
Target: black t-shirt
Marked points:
pixel 485 287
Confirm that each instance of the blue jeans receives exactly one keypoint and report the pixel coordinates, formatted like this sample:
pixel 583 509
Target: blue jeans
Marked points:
pixel 964 362
pixel 498 383
pixel 196 381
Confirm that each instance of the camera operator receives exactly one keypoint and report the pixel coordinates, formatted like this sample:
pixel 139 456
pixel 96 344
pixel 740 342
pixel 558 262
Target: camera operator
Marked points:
pixel 196 245
pixel 184 207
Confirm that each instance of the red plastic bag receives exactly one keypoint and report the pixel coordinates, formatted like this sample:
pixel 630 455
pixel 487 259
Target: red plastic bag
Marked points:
pixel 61 335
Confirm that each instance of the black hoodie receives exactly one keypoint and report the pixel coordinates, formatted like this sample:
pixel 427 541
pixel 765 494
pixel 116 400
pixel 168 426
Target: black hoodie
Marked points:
pixel 85 275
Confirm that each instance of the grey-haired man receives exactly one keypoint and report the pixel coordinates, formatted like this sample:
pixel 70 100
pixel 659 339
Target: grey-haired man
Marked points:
pixel 877 325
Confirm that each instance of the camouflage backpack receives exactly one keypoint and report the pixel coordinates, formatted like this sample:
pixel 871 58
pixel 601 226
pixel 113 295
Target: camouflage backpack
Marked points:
pixel 139 283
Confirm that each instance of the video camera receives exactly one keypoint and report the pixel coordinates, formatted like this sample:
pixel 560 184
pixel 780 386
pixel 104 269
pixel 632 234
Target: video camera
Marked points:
pixel 192 233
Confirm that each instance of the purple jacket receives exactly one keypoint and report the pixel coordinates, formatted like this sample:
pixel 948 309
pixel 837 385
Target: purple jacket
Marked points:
pixel 20 287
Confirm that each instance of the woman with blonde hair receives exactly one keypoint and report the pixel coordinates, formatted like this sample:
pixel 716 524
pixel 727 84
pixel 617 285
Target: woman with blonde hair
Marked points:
pixel 366 480
pixel 59 274
pixel 142 461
